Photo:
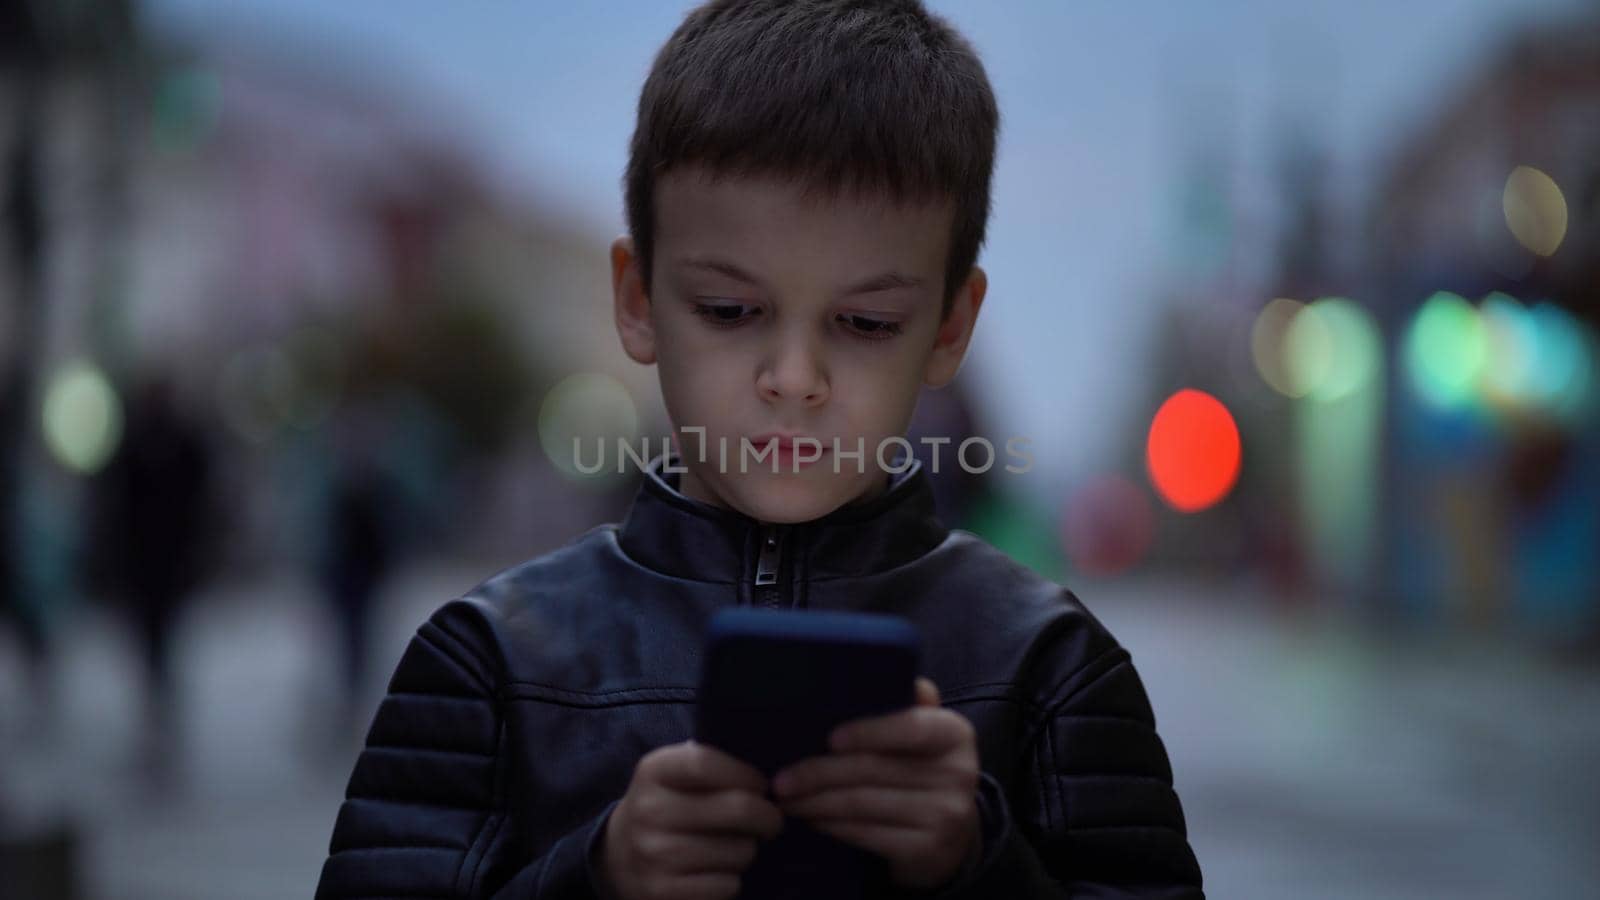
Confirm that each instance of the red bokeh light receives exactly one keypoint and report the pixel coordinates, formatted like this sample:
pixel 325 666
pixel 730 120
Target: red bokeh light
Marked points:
pixel 1193 451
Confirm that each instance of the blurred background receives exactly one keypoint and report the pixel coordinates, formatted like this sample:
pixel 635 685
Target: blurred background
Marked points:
pixel 301 305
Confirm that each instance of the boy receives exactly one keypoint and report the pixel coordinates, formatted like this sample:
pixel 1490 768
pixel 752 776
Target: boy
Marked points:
pixel 807 192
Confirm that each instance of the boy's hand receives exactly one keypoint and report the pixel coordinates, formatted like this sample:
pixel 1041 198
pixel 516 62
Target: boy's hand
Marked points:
pixel 903 786
pixel 687 827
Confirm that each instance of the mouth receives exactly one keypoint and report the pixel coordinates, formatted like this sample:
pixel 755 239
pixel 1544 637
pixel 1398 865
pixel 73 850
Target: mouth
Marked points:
pixel 788 449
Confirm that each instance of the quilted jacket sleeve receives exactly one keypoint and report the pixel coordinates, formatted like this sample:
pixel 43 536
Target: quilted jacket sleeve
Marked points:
pixel 423 816
pixel 1095 817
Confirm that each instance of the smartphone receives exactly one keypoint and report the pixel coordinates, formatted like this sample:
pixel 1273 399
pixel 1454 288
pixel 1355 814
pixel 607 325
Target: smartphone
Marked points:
pixel 773 686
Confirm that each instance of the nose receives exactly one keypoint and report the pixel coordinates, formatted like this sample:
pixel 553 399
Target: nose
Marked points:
pixel 795 372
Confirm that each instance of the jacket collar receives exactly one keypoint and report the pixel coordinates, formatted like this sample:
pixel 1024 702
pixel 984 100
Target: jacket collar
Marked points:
pixel 680 536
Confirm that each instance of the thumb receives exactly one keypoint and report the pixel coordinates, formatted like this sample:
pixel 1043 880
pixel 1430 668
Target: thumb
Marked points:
pixel 927 693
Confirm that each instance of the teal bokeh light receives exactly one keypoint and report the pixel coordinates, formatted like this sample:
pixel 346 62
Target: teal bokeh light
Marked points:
pixel 1446 350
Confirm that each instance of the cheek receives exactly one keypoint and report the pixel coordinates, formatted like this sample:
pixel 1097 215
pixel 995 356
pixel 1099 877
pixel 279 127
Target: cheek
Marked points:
pixel 687 351
pixel 702 386
pixel 875 407
pixel 884 378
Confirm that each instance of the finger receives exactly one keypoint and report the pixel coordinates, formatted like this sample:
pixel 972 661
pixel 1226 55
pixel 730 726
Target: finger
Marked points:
pixel 925 693
pixel 722 812
pixel 904 807
pixel 921 730
pixel 889 841
pixel 692 766
pixel 845 769
pixel 699 886
pixel 691 853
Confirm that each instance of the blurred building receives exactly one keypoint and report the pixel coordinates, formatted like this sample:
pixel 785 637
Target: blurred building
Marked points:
pixel 287 236
pixel 1486 243
pixel 1442 208
pixel 1415 379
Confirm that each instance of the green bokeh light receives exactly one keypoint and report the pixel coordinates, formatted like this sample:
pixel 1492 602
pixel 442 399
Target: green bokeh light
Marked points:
pixel 1446 350
pixel 82 418
pixel 1332 349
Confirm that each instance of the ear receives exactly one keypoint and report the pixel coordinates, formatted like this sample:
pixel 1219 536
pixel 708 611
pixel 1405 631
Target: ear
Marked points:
pixel 950 345
pixel 631 304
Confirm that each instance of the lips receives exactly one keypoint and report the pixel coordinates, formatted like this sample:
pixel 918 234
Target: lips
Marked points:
pixel 788 444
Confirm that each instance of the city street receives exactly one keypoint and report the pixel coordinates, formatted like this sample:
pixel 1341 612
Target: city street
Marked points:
pixel 1313 762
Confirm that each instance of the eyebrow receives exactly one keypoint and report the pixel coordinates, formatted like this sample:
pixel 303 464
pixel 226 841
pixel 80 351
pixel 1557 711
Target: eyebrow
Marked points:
pixel 888 281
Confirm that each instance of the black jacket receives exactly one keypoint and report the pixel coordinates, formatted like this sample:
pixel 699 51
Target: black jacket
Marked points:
pixel 517 713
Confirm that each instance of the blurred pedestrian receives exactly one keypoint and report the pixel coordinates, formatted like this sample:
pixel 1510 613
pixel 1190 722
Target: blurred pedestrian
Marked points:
pixel 156 534
pixel 357 552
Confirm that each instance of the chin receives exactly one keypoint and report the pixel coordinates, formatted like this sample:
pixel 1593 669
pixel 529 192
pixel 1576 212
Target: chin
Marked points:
pixel 787 500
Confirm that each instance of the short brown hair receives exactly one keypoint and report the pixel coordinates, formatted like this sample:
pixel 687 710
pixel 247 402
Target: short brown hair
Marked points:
pixel 876 96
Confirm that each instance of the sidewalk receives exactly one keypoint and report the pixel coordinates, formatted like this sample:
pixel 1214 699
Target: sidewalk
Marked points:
pixel 250 804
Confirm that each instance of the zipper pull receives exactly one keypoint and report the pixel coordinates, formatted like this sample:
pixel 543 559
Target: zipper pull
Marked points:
pixel 771 555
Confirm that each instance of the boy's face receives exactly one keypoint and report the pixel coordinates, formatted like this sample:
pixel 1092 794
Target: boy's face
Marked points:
pixel 771 314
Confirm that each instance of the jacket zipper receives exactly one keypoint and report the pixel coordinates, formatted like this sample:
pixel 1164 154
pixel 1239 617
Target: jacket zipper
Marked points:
pixel 768 591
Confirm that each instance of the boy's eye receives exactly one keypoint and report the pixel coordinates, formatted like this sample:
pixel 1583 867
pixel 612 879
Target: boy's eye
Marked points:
pixel 870 328
pixel 732 315
pixel 725 315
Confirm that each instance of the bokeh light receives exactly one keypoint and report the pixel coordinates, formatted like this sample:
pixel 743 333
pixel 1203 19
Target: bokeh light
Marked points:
pixel 1267 338
pixel 593 412
pixel 1193 451
pixel 1107 526
pixel 1332 349
pixel 1535 210
pixel 1562 382
pixel 1307 351
pixel 1445 350
pixel 1513 350
pixel 82 417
